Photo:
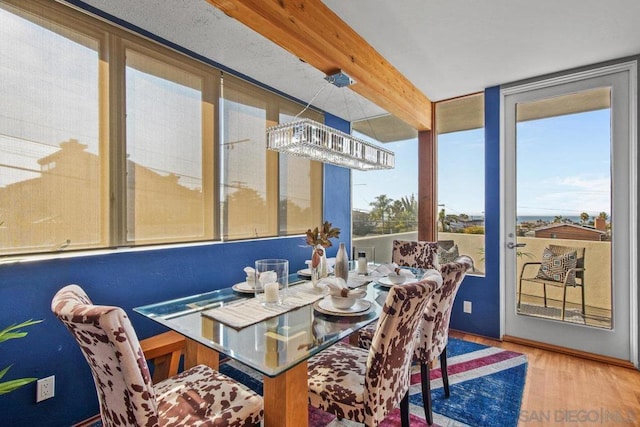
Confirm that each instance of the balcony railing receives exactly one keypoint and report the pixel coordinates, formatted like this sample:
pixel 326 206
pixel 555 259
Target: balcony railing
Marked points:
pixel 597 267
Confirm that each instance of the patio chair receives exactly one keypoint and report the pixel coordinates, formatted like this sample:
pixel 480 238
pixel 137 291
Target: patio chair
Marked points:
pixel 198 396
pixel 561 267
pixel 448 252
pixel 433 333
pixel 365 385
pixel 417 254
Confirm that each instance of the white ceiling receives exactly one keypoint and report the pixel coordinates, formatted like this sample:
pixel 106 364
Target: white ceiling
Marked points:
pixel 447 48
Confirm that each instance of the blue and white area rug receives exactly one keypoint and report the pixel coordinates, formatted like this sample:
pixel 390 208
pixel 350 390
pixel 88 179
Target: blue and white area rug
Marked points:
pixel 486 389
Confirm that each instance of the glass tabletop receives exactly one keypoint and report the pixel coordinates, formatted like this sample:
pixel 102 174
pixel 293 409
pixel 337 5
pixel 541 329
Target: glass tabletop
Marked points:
pixel 271 346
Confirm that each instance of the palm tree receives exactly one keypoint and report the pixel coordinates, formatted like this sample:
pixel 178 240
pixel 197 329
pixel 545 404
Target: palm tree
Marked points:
pixel 410 204
pixel 584 217
pixel 397 211
pixel 410 212
pixel 444 220
pixel 381 206
pixel 396 208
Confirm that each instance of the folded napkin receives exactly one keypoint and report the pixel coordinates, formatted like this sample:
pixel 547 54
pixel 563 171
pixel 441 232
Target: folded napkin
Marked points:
pixel 268 277
pixel 251 275
pixel 385 269
pixel 337 286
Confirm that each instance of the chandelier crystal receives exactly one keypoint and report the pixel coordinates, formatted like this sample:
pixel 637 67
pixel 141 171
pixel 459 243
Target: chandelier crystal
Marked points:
pixel 316 141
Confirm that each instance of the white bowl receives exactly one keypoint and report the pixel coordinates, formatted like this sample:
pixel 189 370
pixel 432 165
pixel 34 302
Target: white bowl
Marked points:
pixel 396 278
pixel 342 302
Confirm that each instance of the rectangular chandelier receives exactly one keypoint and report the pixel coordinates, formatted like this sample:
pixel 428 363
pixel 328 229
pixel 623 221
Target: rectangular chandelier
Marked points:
pixel 316 141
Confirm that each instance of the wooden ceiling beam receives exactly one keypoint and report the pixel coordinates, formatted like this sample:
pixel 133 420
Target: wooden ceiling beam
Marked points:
pixel 311 31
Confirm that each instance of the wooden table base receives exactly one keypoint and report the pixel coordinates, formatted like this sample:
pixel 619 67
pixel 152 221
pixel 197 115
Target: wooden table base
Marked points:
pixel 286 401
pixel 198 354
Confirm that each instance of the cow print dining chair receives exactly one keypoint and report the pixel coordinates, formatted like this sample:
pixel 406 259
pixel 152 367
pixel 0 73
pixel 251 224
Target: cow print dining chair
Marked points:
pixel 365 385
pixel 433 331
pixel 198 396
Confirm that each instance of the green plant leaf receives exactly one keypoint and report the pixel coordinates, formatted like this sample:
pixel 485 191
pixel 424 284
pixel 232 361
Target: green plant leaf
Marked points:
pixel 9 386
pixel 4 371
pixel 13 332
pixel 9 333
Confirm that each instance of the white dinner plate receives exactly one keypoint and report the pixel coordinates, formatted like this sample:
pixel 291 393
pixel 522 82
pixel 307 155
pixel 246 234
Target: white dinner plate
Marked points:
pixel 243 287
pixel 386 283
pixel 360 308
pixel 305 272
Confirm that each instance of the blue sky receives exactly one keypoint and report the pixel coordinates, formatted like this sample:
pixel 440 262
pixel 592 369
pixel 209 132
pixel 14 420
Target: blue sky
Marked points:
pixel 564 165
pixel 395 183
pixel 563 169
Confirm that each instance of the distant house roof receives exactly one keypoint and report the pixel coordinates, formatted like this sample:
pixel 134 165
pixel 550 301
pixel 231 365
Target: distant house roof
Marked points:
pixel 570 231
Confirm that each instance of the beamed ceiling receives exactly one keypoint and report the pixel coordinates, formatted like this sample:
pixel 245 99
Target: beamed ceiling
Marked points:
pixel 402 53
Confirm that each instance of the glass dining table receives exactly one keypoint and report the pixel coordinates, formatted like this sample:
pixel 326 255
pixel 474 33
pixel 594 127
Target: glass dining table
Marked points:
pixel 277 347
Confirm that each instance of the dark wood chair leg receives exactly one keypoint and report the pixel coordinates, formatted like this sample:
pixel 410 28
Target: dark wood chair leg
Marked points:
pixel 443 370
pixel 544 289
pixel 426 392
pixel 404 410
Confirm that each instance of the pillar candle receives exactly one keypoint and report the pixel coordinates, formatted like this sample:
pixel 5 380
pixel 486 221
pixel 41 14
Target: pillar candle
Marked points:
pixel 271 292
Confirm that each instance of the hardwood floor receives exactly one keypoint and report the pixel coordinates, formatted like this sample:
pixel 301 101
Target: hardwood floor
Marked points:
pixel 563 390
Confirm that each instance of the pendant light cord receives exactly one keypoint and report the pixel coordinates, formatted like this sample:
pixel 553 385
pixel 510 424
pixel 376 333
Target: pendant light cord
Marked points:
pixel 312 99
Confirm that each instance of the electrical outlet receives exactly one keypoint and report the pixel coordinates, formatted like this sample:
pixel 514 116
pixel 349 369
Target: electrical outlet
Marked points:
pixel 466 306
pixel 46 388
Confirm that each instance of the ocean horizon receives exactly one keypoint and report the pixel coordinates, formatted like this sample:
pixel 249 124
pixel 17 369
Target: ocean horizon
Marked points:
pixel 547 218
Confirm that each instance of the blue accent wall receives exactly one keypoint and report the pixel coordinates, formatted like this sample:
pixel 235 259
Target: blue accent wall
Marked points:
pixel 126 278
pixel 484 292
pixel 337 192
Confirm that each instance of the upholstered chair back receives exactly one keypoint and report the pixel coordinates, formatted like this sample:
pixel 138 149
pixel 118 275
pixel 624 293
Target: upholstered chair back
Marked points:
pixel 199 396
pixel 390 355
pixel 417 254
pixel 111 348
pixel 433 333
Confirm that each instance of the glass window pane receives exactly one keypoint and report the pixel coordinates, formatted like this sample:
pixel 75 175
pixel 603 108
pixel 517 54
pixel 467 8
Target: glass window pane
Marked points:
pixel 49 137
pixel 385 202
pixel 165 195
pixel 460 138
pixel 300 188
pixel 248 193
pixel 565 206
pixel 300 194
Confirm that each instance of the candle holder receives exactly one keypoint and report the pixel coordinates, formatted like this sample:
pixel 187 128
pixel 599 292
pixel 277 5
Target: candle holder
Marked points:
pixel 272 281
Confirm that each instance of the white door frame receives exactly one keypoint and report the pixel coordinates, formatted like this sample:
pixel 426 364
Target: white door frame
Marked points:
pixel 507 170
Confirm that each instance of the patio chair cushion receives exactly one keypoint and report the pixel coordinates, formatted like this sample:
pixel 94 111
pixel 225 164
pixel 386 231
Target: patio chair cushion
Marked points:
pixel 445 256
pixel 555 266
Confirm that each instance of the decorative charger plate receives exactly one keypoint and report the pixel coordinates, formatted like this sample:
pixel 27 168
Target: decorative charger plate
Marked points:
pixel 360 308
pixel 305 272
pixel 243 287
pixel 386 283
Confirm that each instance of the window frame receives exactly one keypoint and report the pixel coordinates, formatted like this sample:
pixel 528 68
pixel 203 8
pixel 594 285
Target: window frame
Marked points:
pixel 113 42
pixel 460 116
pixel 210 139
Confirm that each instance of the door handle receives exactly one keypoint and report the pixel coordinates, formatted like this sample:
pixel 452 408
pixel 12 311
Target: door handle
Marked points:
pixel 512 245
